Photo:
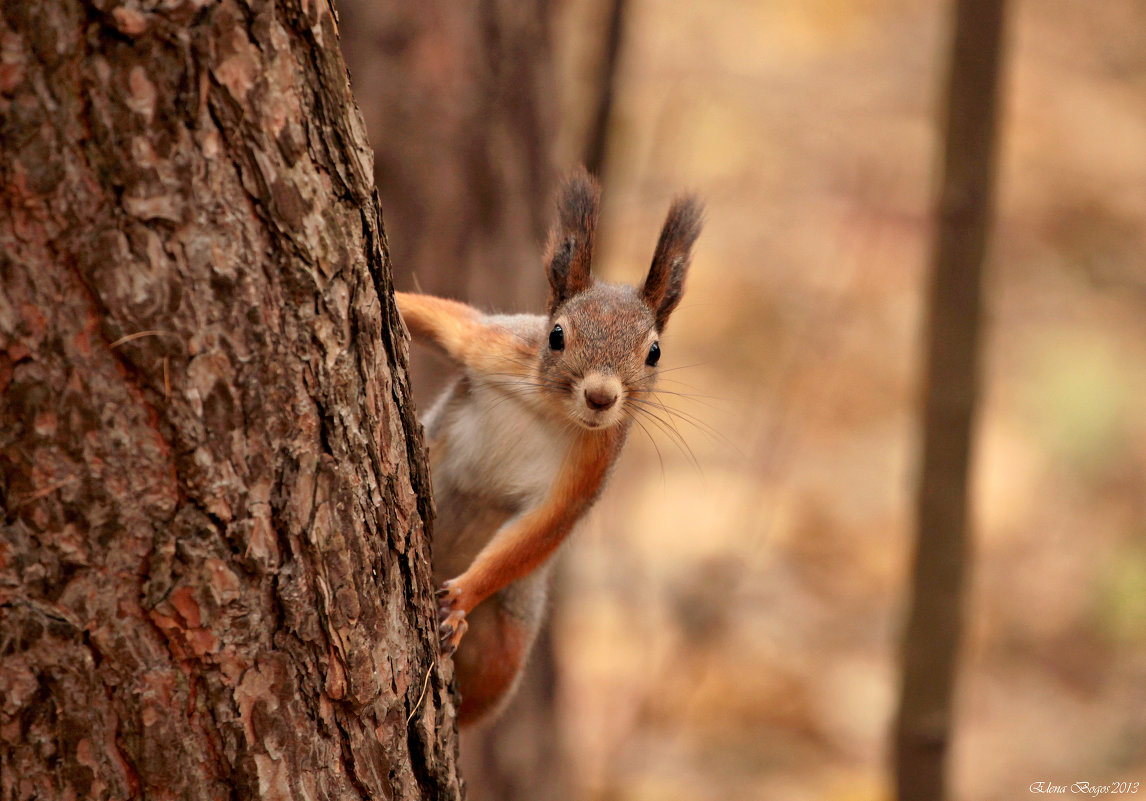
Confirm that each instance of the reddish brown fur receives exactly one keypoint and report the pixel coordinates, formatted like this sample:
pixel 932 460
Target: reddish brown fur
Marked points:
pixel 518 550
pixel 494 651
pixel 458 329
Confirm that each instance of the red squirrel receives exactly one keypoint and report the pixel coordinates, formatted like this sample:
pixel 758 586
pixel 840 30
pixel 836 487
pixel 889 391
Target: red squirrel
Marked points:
pixel 521 445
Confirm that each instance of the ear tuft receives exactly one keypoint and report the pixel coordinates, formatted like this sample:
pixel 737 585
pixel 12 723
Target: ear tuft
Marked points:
pixel 570 248
pixel 664 285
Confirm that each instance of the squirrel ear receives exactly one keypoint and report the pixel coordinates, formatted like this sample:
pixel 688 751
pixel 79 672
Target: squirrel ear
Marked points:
pixel 664 285
pixel 571 238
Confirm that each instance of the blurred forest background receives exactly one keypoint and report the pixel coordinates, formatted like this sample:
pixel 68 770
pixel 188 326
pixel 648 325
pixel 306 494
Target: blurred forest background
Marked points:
pixel 727 622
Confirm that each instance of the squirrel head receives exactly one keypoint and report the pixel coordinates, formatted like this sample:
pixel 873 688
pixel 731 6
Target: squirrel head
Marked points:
pixel 603 340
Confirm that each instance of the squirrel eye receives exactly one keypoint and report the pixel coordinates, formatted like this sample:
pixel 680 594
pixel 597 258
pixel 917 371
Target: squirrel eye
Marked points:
pixel 654 355
pixel 557 338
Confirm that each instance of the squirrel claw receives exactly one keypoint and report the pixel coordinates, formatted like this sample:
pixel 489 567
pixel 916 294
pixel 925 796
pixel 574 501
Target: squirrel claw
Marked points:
pixel 449 588
pixel 448 596
pixel 450 632
pixel 452 618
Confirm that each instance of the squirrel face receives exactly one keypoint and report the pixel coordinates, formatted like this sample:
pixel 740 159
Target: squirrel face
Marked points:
pixel 601 351
pixel 603 341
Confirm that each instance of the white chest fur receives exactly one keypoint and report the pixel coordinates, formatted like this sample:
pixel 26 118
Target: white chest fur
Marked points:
pixel 495 445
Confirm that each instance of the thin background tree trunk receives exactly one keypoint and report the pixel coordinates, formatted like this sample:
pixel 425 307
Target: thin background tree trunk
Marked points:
pixel 597 138
pixel 460 106
pixel 214 575
pixel 931 641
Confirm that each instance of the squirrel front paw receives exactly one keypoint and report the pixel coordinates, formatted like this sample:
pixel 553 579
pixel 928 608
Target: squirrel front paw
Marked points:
pixel 451 618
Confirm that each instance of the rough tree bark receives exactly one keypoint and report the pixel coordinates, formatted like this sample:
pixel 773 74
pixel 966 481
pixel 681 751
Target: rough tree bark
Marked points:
pixel 214 574
pixel 934 626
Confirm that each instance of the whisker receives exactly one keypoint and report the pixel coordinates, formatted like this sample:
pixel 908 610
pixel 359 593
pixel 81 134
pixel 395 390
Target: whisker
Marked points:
pixel 694 392
pixel 672 433
pixel 660 457
pixel 661 371
pixel 706 401
pixel 669 428
pixel 696 422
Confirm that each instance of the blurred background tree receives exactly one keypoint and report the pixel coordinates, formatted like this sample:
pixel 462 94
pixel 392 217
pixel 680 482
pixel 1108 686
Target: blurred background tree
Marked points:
pixel 924 723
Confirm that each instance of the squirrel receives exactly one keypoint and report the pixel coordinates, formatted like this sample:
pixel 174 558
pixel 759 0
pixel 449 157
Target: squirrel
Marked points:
pixel 522 444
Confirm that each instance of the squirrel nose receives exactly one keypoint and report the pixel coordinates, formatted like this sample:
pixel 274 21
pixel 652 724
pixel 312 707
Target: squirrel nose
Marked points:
pixel 600 398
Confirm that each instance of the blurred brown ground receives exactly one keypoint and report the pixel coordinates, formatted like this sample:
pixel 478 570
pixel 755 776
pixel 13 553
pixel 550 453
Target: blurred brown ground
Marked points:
pixel 732 608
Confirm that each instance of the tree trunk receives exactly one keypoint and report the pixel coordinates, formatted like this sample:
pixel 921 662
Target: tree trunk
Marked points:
pixel 214 573
pixel 934 626
pixel 604 105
